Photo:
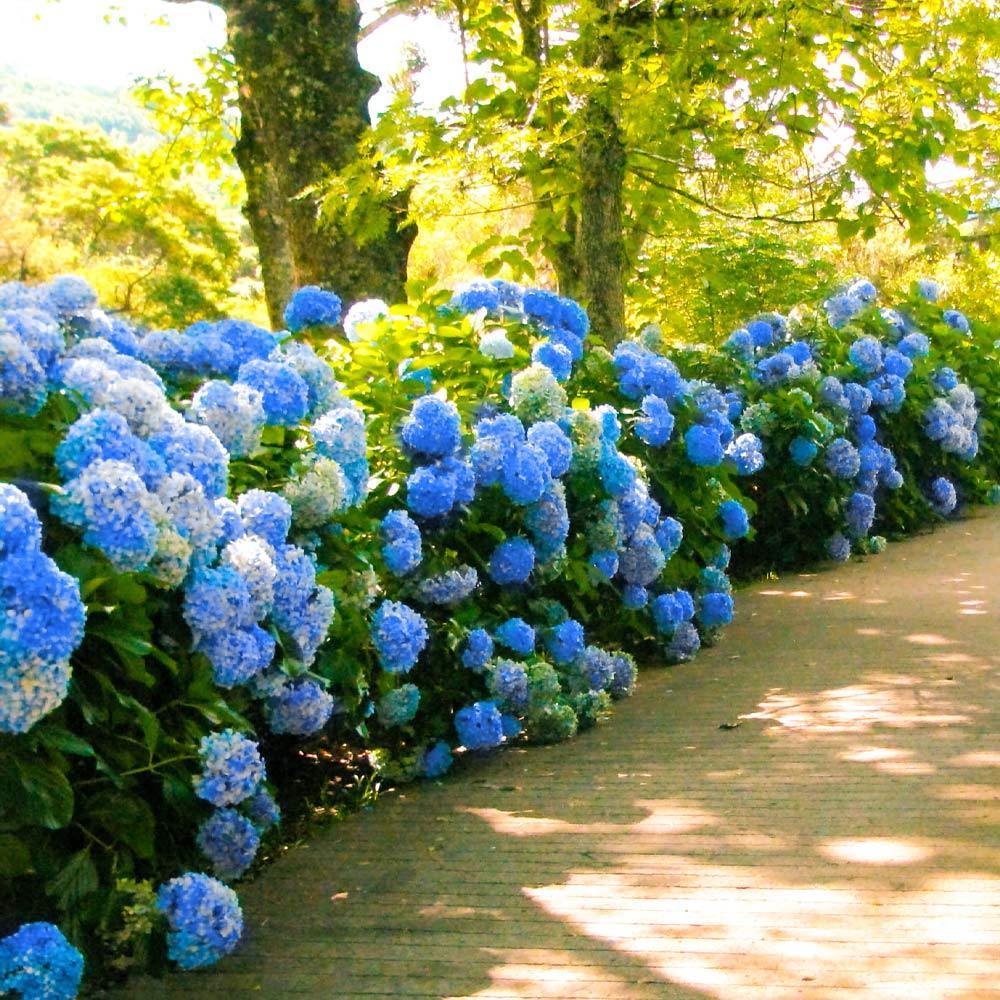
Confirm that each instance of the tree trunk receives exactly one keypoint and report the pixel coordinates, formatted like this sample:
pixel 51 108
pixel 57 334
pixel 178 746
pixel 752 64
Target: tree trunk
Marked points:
pixel 265 212
pixel 601 242
pixel 304 103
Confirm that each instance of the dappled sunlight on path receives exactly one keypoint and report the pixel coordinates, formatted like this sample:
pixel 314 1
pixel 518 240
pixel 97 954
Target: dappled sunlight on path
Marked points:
pixel 837 839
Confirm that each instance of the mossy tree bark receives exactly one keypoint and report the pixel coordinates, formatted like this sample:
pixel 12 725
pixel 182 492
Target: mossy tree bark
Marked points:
pixel 303 99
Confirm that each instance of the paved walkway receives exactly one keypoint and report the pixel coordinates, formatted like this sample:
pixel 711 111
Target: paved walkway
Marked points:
pixel 841 842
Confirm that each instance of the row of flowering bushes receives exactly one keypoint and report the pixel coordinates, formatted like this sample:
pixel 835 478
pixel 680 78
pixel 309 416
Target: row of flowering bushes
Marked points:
pixel 423 530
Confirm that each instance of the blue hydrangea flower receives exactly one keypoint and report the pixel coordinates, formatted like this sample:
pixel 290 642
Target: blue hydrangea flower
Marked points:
pixel 512 561
pixel 898 364
pixel 230 841
pixel 38 331
pixel 715 609
pixel 194 450
pixel 535 394
pixel 508 684
pixel 843 459
pixel 657 423
pixel 943 497
pixel 111 504
pixel 802 450
pixel 231 768
pixel 605 562
pixel 928 289
pixel 38 963
pixel 204 917
pixel 312 306
pixel 516 634
pixel 266 514
pixel 300 707
pixel 859 514
pixel 735 523
pixel 556 357
pixel 838 547
pixel 399 706
pixel 888 392
pixel 23 387
pixel 284 392
pixel 433 427
pixel 240 341
pixel 476 295
pixel 217 599
pixel 478 650
pixel 761 333
pixel 866 355
pixel 103 435
pixel 669 533
pixel 859 398
pixel 435 760
pixel 20 529
pixel 549 438
pixel 565 642
pixel 684 643
pixel 237 655
pixel 478 726
pixel 262 810
pixel 234 413
pixel 945 379
pixel 642 560
pixel 68 295
pixel 956 320
pixel 402 550
pixel 703 445
pixel 914 345
pixel 430 491
pixel 740 344
pixel 449 588
pixel 670 609
pixel 548 521
pixel 494 344
pixel 594 669
pixel 399 635
pixel 746 452
pixel 360 315
pixel 634 597
pixel 541 304
pixel 623 680
pixel 525 473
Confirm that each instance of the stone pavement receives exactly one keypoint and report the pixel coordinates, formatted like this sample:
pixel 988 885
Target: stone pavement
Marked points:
pixel 840 842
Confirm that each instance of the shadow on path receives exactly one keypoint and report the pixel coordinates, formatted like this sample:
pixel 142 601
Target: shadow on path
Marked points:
pixel 840 842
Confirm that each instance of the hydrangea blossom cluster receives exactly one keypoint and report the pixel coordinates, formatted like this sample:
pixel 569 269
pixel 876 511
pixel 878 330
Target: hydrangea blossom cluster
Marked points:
pixel 399 635
pixel 41 618
pixel 204 919
pixel 231 768
pixel 38 963
pixel 230 841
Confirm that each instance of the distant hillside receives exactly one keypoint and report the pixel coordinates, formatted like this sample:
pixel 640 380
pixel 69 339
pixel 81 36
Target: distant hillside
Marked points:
pixel 38 100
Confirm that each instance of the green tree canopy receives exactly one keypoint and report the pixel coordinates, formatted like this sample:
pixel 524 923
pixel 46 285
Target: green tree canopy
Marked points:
pixel 71 199
pixel 631 121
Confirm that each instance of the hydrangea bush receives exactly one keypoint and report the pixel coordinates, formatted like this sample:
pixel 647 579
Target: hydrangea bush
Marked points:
pixel 437 529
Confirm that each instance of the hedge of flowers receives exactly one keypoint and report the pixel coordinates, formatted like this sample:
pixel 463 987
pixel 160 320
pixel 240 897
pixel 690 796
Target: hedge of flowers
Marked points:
pixel 426 530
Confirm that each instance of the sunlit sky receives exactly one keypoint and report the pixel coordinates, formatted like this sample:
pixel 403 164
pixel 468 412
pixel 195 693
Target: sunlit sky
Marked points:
pixel 82 42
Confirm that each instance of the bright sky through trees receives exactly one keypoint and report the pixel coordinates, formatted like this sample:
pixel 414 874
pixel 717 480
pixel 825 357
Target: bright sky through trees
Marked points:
pixel 73 42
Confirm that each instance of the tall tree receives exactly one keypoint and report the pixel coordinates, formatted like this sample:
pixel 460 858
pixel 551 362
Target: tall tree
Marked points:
pixel 303 102
pixel 632 119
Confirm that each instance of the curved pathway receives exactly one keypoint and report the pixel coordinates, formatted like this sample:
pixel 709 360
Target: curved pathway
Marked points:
pixel 841 841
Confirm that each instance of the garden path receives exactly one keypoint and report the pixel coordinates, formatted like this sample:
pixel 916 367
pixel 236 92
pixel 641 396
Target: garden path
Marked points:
pixel 840 842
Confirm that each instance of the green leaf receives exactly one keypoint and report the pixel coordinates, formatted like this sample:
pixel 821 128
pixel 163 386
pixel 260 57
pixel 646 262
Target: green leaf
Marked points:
pixel 15 858
pixel 77 879
pixel 126 817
